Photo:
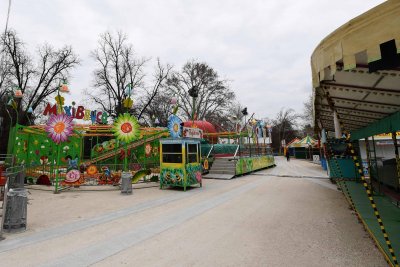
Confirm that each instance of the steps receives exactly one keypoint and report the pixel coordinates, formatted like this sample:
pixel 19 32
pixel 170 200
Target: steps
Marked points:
pixel 112 153
pixel 222 168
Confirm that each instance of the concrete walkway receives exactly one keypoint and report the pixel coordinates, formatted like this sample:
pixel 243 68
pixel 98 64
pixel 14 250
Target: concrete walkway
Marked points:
pixel 276 217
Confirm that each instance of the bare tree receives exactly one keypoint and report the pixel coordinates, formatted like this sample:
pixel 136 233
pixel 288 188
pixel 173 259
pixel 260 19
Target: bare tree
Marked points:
pixel 284 127
pixel 229 120
pixel 308 116
pixel 160 77
pixel 36 80
pixel 308 109
pixel 213 94
pixel 160 107
pixel 5 71
pixel 117 68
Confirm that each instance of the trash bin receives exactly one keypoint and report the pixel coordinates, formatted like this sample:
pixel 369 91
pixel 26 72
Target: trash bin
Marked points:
pixel 16 210
pixel 323 164
pixel 126 183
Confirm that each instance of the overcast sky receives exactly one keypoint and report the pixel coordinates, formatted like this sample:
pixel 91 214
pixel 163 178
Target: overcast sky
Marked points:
pixel 263 47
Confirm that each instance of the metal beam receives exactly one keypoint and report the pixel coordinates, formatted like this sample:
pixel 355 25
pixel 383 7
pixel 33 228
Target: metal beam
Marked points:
pixel 361 110
pixel 364 102
pixel 356 87
pixel 343 118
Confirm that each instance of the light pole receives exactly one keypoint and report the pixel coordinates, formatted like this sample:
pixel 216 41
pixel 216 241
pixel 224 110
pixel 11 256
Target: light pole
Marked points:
pixel 194 93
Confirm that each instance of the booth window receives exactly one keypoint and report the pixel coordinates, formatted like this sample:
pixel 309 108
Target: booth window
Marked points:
pixel 191 153
pixel 172 153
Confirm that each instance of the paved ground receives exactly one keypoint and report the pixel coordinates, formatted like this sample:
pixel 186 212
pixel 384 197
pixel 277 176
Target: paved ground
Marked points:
pixel 263 219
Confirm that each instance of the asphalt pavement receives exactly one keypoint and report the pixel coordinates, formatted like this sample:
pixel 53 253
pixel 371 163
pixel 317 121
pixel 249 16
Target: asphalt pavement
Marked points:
pixel 290 215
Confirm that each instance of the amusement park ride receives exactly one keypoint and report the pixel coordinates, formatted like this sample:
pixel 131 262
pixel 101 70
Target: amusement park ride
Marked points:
pixel 65 154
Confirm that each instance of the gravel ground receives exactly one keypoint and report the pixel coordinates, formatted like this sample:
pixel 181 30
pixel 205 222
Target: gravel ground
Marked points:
pixel 276 217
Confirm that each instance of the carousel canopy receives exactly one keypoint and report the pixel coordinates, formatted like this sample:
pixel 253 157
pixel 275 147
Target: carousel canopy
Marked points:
pixel 356 72
pixel 295 140
pixel 305 142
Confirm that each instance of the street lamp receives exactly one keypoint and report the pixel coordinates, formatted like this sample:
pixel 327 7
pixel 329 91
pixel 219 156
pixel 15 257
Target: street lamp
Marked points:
pixel 194 93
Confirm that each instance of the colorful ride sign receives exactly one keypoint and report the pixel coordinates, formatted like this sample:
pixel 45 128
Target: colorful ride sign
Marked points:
pixel 79 113
pixel 192 132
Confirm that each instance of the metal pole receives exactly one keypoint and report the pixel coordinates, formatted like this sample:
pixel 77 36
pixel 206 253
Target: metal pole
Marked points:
pixel 396 151
pixel 193 109
pixel 58 168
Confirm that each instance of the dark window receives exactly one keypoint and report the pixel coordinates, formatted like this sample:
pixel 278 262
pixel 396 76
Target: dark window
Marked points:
pixel 172 153
pixel 191 153
pixel 192 148
pixel 172 148
pixel 172 158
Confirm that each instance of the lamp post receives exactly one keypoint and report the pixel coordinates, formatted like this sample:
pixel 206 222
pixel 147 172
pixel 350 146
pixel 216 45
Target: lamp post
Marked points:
pixel 194 93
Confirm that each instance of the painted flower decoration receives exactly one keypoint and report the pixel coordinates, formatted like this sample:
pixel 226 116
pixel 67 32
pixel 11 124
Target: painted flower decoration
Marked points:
pixel 91 170
pixel 59 127
pixel 126 128
pixel 174 126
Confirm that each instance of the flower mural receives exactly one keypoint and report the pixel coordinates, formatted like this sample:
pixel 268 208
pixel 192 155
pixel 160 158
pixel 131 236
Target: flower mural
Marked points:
pixel 126 128
pixel 59 127
pixel 174 126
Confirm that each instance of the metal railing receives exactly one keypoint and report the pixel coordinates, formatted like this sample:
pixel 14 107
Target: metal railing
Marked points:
pixel 237 150
pixel 209 152
pixel 7 160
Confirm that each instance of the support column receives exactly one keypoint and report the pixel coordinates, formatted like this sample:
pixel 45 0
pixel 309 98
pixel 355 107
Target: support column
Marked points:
pixel 368 151
pixel 396 151
pixel 338 130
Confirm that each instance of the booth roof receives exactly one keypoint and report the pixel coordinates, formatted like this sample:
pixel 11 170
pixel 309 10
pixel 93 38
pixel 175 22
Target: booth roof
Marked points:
pixel 356 72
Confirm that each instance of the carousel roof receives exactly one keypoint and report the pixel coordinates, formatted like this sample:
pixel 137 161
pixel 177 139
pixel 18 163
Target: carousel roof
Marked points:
pixel 305 142
pixel 295 140
pixel 356 72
